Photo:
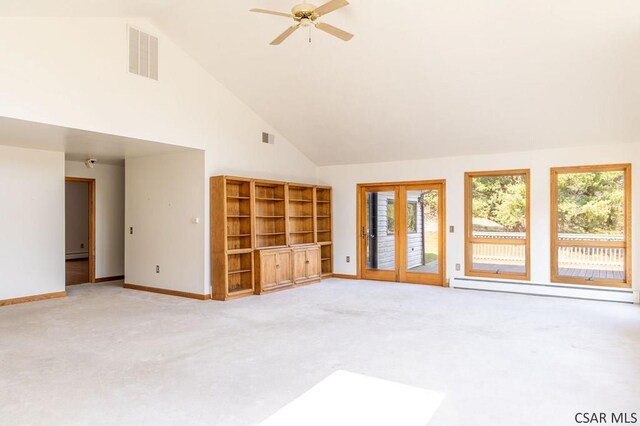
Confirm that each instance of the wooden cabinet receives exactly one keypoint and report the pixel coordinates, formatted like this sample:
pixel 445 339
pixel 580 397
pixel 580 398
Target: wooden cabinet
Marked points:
pixel 273 270
pixel 268 235
pixel 306 265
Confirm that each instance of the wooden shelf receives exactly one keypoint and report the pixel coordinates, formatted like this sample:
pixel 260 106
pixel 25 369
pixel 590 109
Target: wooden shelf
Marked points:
pixel 240 251
pixel 241 291
pixel 252 215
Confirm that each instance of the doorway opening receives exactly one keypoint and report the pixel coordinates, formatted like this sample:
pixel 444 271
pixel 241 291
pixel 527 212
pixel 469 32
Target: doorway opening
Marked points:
pixel 79 231
pixel 401 232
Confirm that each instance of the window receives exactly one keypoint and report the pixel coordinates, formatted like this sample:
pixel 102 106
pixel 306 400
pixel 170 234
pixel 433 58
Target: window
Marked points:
pixel 590 225
pixel 391 216
pixel 412 217
pixel 497 224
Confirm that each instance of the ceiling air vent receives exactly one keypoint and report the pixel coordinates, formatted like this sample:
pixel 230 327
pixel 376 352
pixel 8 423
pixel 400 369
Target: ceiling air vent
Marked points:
pixel 267 138
pixel 143 54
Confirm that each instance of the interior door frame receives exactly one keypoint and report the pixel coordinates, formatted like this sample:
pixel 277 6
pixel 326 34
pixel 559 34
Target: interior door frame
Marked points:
pixel 400 275
pixel 91 183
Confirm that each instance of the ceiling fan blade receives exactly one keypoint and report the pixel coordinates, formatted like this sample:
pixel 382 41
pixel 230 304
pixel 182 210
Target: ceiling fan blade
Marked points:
pixel 282 37
pixel 272 12
pixel 336 32
pixel 330 7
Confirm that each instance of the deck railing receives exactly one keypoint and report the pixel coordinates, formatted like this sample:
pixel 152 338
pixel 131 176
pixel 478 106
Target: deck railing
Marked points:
pixel 602 258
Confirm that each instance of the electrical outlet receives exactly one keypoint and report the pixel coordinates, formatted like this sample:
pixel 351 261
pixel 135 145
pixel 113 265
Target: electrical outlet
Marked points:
pixel 451 229
pixel 131 230
pixel 348 259
pixel 82 245
pixel 457 266
pixel 157 269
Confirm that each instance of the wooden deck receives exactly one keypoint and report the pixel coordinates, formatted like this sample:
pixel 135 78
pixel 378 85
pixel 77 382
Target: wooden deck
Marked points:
pixel 596 274
pixel 429 268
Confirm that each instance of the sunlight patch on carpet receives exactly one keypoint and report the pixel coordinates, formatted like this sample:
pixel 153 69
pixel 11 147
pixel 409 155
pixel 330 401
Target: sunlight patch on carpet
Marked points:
pixel 346 398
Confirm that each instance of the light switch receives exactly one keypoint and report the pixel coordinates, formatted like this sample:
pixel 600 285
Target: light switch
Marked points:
pixel 195 220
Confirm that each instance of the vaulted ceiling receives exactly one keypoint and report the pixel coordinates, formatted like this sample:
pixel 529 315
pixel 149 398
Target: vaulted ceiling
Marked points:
pixel 421 78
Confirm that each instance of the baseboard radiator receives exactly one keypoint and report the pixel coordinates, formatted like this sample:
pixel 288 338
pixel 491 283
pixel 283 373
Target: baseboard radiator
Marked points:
pixel 622 295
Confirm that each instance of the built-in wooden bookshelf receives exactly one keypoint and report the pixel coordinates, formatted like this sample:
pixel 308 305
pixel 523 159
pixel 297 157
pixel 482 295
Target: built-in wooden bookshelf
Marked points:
pixel 324 227
pixel 231 237
pixel 270 210
pixel 301 215
pixel 251 216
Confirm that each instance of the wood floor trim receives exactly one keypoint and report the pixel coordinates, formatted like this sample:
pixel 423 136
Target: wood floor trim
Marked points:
pixel 35 298
pixel 167 292
pixel 345 276
pixel 107 279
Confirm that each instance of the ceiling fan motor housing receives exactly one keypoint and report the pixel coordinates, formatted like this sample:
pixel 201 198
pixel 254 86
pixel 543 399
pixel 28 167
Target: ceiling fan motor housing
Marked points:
pixel 304 11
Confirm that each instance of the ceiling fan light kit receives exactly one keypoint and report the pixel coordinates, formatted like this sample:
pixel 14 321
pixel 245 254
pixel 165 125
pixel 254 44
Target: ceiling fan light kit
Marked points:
pixel 307 15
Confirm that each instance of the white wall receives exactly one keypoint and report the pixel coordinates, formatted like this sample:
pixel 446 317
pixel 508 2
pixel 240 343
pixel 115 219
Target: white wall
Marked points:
pixel 76 219
pixel 344 180
pixel 163 196
pixel 109 214
pixel 52 75
pixel 31 222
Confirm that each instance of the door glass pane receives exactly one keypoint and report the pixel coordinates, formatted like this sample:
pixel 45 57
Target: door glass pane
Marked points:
pixel 380 230
pixel 499 258
pixel 592 263
pixel 422 231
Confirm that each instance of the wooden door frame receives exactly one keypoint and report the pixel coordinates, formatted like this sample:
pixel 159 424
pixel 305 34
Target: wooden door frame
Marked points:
pixel 397 185
pixel 91 183
pixel 379 275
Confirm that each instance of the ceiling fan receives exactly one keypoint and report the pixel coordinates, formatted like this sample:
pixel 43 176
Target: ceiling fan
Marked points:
pixel 306 15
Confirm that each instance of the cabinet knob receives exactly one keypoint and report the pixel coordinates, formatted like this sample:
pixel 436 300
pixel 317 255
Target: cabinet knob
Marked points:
pixel 277 266
pixel 307 261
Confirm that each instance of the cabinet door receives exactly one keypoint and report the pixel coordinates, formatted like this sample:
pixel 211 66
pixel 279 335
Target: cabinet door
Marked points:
pixel 284 267
pixel 299 265
pixel 313 263
pixel 268 270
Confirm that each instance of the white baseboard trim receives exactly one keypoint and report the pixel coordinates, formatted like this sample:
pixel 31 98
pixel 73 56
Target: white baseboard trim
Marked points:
pixel 603 294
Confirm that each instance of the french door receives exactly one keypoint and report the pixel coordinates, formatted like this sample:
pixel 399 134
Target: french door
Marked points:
pixel 402 232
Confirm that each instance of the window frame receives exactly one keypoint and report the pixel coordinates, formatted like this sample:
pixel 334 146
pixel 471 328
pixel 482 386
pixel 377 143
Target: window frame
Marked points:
pixel 626 244
pixel 470 240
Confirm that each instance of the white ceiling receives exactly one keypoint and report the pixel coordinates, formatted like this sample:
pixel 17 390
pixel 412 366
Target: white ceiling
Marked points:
pixel 78 145
pixel 421 78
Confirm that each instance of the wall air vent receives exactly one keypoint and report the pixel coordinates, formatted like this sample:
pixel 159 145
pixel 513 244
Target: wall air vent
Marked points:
pixel 143 54
pixel 267 138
